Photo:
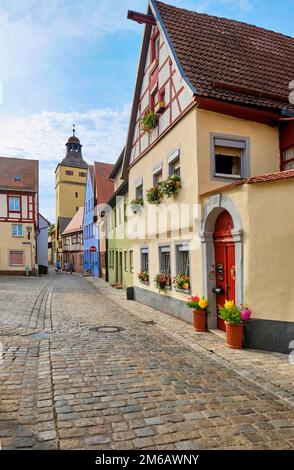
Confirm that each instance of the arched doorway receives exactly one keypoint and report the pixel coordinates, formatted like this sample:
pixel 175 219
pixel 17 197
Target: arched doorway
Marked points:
pixel 225 270
pixel 221 223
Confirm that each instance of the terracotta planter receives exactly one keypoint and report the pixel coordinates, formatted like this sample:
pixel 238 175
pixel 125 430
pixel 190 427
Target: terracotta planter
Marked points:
pixel 234 335
pixel 199 318
pixel 185 286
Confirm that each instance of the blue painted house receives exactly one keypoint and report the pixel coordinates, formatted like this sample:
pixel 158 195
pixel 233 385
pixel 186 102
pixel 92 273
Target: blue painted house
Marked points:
pixel 90 229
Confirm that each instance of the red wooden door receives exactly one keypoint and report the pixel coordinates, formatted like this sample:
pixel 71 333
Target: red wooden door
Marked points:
pixel 224 261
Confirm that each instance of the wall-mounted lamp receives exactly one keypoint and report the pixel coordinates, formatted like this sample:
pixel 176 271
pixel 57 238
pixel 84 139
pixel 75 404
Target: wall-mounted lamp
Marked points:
pixel 29 230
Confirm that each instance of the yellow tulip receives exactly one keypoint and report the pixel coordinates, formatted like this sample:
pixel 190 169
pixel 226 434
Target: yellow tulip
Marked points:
pixel 203 303
pixel 229 304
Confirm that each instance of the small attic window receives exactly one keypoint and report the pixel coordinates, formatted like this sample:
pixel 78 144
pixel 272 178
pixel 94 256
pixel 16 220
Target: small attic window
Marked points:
pixel 17 178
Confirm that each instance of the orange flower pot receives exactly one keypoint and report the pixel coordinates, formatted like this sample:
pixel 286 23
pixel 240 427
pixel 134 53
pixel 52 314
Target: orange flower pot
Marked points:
pixel 199 318
pixel 234 335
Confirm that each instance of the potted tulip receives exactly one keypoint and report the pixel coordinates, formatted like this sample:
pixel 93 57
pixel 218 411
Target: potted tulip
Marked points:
pixel 234 318
pixel 200 309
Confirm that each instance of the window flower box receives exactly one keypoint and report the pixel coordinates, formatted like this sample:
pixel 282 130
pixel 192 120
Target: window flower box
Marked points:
pixel 159 108
pixel 144 277
pixel 162 281
pixel 171 186
pixel 154 195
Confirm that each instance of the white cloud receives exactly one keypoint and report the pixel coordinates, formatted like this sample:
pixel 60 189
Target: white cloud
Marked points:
pixel 43 137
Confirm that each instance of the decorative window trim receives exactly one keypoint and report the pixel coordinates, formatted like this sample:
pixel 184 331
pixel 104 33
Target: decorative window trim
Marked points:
pixel 144 250
pixel 18 252
pixel 183 246
pixel 230 141
pixel 139 184
pixel 17 235
pixel 165 249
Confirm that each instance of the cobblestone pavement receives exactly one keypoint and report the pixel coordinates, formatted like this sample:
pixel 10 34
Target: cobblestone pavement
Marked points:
pixel 64 385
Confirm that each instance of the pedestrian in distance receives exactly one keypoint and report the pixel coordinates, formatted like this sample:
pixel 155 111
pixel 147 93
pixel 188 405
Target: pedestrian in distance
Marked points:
pixel 58 267
pixel 70 267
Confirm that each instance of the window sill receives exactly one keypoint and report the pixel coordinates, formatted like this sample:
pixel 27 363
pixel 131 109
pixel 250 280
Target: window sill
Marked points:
pixel 231 177
pixel 183 291
pixel 145 283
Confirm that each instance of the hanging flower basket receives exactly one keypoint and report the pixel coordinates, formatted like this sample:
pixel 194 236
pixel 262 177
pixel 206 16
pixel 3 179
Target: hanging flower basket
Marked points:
pixel 136 205
pixel 200 309
pixel 149 121
pixel 170 186
pixel 154 195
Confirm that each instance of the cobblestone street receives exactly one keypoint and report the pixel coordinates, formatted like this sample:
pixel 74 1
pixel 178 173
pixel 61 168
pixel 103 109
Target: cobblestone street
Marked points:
pixel 65 385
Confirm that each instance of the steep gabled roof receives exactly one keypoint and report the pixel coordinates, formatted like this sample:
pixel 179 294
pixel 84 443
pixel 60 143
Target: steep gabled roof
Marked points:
pixel 104 187
pixel 221 59
pixel 117 165
pixel 230 60
pixel 76 223
pixel 62 223
pixel 91 170
pixel 19 174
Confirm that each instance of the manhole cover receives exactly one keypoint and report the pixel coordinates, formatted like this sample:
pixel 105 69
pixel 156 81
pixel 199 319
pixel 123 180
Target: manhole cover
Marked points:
pixel 107 329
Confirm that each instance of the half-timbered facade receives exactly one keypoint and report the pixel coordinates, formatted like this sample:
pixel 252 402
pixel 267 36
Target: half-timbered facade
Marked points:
pixel 215 93
pixel 18 215
pixel 72 243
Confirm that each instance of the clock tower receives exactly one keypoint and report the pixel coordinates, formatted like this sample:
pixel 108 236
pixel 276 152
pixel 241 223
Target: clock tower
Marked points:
pixel 70 186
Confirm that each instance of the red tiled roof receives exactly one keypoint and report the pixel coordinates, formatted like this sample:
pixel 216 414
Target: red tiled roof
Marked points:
pixel 229 60
pixel 278 176
pixel 104 187
pixel 76 223
pixel 25 170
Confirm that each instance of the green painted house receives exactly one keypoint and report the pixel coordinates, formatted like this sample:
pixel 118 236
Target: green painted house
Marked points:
pixel 120 253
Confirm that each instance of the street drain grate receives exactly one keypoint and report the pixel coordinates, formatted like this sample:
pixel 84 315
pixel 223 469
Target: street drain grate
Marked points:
pixel 107 329
pixel 149 322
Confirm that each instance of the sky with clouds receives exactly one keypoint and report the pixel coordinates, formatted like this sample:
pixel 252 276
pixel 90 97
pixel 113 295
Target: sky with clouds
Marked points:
pixel 75 61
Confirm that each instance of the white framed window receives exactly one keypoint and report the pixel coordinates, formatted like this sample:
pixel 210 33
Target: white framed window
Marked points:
pixel 144 259
pixel 230 157
pixel 14 203
pixel 165 259
pixel 174 163
pixel 157 174
pixel 17 230
pixel 139 188
pixel 183 259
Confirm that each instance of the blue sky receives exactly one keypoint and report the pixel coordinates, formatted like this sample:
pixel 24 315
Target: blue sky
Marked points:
pixel 65 61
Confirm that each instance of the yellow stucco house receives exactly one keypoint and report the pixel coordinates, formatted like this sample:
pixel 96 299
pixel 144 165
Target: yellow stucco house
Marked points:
pixel 211 111
pixel 70 189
